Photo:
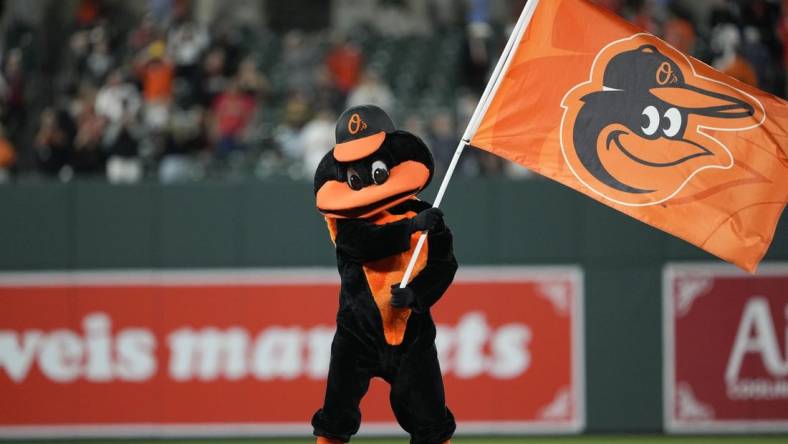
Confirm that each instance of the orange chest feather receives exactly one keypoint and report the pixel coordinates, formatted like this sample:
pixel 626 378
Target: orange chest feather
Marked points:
pixel 383 273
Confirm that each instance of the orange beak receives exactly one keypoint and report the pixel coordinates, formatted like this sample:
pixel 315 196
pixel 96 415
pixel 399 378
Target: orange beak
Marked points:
pixel 336 199
pixel 710 104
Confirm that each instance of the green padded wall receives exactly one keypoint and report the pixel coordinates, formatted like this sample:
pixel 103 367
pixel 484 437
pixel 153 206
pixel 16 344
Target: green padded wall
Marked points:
pixel 90 225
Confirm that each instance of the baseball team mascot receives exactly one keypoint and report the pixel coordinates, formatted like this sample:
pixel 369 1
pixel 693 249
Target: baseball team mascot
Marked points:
pixel 366 188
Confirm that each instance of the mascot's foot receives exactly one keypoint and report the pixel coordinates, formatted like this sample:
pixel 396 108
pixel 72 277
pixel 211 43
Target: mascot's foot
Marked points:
pixel 323 440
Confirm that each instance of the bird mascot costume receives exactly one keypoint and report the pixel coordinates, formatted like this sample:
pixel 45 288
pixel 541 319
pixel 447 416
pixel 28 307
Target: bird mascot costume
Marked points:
pixel 366 188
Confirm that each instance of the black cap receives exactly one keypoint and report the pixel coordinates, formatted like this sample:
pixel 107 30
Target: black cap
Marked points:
pixel 647 70
pixel 642 69
pixel 360 131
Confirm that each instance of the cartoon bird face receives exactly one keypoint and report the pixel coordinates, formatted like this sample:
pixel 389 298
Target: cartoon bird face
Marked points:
pixel 375 170
pixel 634 132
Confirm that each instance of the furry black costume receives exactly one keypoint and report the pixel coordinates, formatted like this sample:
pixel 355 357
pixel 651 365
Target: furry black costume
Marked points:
pixel 366 188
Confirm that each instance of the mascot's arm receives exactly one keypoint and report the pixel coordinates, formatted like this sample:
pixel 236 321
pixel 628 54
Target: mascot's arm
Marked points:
pixel 430 284
pixel 363 241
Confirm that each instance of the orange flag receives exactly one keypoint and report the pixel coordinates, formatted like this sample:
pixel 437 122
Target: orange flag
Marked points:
pixel 590 101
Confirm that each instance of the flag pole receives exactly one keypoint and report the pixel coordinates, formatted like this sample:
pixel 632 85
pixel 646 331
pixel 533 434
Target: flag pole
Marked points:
pixel 475 120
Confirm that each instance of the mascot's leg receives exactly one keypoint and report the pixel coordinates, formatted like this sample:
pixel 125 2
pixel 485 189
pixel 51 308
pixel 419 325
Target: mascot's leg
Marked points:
pixel 348 381
pixel 417 397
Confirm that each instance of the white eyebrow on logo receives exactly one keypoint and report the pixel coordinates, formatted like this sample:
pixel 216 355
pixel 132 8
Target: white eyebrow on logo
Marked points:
pixel 607 88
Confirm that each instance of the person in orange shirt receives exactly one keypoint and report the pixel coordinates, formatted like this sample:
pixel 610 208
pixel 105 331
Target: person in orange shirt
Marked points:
pixel 156 73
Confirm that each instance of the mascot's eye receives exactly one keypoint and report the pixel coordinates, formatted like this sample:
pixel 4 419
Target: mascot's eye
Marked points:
pixel 650 120
pixel 354 180
pixel 380 173
pixel 672 122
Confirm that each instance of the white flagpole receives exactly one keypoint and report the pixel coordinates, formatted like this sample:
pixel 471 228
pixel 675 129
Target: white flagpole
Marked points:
pixel 475 121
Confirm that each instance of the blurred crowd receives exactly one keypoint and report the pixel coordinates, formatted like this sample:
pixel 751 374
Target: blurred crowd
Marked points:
pixel 176 90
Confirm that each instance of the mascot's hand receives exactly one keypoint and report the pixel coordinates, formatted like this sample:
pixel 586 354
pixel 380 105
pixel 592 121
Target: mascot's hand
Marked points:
pixel 427 219
pixel 402 297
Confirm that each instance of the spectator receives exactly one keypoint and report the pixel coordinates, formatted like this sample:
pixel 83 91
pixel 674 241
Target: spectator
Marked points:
pixel 87 156
pixel 372 91
pixel 478 35
pixel 54 141
pixel 442 139
pixel 351 15
pixel 232 111
pixel 288 133
pixel 299 59
pixel 644 19
pixel 414 124
pixel 117 97
pixel 679 33
pixel 143 35
pixel 212 80
pixel 726 41
pixel 88 12
pixel 446 14
pixel 757 55
pixel 317 138
pixel 156 72
pixel 344 64
pixel 14 104
pixel 184 140
pixel 121 140
pixel 400 18
pixel 99 61
pixel 186 43
pixel 161 11
pixel 79 50
pixel 325 94
pixel 250 80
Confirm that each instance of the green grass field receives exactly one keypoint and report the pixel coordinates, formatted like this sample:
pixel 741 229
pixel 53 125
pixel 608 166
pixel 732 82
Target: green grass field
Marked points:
pixel 782 439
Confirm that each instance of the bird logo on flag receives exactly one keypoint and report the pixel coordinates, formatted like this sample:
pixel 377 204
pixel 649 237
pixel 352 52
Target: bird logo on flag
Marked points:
pixel 642 127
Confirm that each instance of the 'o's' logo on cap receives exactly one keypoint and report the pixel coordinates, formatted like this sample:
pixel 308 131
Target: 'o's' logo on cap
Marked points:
pixel 355 124
pixel 634 133
pixel 665 74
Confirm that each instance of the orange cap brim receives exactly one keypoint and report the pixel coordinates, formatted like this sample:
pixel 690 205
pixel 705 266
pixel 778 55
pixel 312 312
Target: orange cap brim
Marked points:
pixel 359 148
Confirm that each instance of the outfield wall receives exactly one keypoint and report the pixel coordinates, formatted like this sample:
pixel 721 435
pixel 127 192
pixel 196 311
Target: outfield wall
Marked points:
pixel 90 226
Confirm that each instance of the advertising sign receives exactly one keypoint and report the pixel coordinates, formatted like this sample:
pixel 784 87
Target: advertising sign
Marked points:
pixel 726 349
pixel 203 353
